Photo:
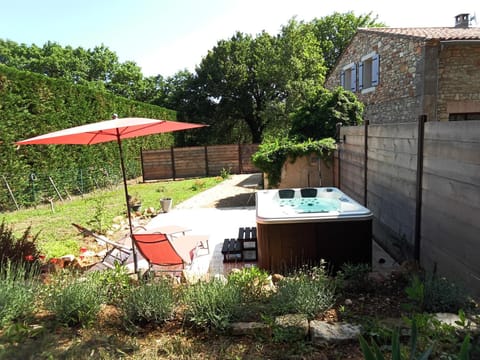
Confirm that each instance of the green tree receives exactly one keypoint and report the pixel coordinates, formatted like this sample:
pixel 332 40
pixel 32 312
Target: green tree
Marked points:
pixel 98 67
pixel 335 31
pixel 317 119
pixel 127 81
pixel 102 64
pixel 254 82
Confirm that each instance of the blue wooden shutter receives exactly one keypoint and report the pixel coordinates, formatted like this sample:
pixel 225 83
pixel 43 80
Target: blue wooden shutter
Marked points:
pixel 342 79
pixel 375 70
pixel 360 75
pixel 353 80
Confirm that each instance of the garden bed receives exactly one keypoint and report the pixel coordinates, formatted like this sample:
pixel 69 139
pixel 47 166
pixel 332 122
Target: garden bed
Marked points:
pixel 161 319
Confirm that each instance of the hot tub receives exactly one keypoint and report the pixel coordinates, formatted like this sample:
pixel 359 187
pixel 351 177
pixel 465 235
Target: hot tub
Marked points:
pixel 301 226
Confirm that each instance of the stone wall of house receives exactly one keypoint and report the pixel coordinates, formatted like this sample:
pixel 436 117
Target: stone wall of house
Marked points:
pixel 459 80
pixel 397 97
pixel 417 77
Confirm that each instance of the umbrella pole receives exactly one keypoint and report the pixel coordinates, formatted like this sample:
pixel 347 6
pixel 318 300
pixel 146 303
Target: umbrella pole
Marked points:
pixel 119 142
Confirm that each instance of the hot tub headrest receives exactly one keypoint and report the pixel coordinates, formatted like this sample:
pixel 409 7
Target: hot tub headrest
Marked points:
pixel 308 192
pixel 286 193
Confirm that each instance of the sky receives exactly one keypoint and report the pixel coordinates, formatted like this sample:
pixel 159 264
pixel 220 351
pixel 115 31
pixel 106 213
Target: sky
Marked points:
pixel 165 36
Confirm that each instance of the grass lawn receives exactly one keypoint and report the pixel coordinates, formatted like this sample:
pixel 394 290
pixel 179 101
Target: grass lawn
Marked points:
pixel 56 235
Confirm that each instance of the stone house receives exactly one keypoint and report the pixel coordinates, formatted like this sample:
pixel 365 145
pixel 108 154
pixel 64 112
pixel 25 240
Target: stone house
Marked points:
pixel 401 73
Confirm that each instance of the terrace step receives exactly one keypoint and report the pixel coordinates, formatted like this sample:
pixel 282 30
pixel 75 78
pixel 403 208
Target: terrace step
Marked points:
pixel 248 237
pixel 232 250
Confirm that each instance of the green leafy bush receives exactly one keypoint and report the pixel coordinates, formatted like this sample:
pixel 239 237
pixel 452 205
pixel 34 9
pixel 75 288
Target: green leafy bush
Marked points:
pixel 252 282
pixel 17 293
pixel 271 155
pixel 148 303
pixel 212 304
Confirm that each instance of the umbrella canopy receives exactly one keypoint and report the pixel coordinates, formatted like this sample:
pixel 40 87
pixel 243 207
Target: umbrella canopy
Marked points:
pixel 116 129
pixel 109 130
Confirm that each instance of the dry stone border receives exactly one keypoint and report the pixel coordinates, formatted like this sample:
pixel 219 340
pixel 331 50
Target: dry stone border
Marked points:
pixel 319 332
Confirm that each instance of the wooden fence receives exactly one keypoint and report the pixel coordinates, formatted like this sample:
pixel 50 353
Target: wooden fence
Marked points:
pixel 424 191
pixel 197 161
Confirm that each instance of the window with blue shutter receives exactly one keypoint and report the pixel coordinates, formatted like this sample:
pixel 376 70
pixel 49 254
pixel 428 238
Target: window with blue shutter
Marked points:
pixel 348 77
pixel 369 72
pixel 353 81
pixel 360 75
pixel 375 70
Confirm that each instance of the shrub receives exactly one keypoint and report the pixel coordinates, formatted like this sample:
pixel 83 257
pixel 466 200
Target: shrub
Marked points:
pixel 253 283
pixel 22 251
pixel 152 303
pixel 308 291
pixel 17 293
pixel 113 283
pixel 442 295
pixel 354 277
pixel 75 300
pixel 225 173
pixel 271 156
pixel 435 294
pixel 212 304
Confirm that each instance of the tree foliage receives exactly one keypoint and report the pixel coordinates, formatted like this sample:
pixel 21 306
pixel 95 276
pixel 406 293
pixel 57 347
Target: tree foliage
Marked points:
pixel 318 117
pixel 98 67
pixel 260 83
pixel 335 31
pixel 246 87
pixel 258 80
pixel 271 155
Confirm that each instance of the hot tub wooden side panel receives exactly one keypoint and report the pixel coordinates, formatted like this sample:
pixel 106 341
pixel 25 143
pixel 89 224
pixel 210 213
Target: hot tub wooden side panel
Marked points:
pixel 282 247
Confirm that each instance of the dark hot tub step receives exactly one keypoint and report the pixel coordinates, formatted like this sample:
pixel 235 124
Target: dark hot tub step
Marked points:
pixel 232 250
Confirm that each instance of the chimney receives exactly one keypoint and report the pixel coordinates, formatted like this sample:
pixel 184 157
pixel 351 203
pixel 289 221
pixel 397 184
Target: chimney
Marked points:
pixel 462 21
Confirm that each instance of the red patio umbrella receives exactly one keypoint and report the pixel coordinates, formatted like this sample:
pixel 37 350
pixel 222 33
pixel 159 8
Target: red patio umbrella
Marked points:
pixel 111 130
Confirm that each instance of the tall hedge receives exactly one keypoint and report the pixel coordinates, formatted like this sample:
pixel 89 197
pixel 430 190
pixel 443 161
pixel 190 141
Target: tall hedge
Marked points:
pixel 32 104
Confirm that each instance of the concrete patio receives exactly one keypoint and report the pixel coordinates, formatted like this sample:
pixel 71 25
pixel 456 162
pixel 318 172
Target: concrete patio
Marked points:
pixel 223 223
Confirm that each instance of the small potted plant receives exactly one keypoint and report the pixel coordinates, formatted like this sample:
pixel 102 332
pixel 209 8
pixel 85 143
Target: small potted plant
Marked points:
pixel 134 202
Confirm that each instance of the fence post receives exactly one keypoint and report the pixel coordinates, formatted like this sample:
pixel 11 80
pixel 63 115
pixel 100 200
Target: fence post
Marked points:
pixel 172 159
pixel 207 170
pixel 339 167
pixel 10 192
pixel 418 196
pixel 365 164
pixel 141 162
pixel 56 189
pixel 240 167
pixel 33 178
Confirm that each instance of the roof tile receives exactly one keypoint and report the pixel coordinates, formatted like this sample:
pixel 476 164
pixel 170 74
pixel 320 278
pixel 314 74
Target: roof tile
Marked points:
pixel 430 33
